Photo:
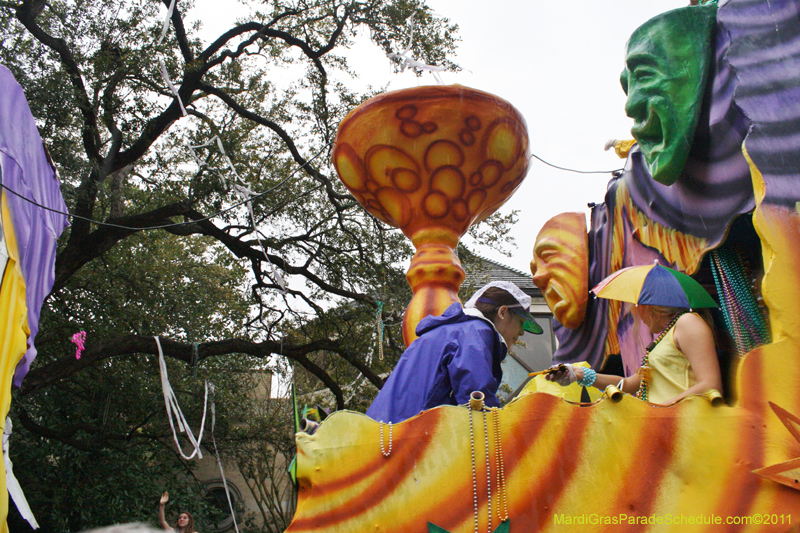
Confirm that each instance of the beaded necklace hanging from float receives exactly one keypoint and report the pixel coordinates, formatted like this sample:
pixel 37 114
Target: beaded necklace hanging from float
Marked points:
pixel 500 495
pixel 379 329
pixel 743 317
pixel 644 369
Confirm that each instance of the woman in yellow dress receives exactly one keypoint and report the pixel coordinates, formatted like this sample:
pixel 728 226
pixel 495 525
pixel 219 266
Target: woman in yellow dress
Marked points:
pixel 680 362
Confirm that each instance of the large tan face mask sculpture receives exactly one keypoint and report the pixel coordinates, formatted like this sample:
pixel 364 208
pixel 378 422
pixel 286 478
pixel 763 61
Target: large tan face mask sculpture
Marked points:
pixel 560 267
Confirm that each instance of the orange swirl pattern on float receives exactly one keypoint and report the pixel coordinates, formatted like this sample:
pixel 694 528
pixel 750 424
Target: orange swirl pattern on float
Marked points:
pixel 561 460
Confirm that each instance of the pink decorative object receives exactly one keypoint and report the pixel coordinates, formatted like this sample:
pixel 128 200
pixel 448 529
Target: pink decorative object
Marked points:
pixel 79 339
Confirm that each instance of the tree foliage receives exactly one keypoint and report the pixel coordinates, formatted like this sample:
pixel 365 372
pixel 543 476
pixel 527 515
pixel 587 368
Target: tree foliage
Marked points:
pixel 159 246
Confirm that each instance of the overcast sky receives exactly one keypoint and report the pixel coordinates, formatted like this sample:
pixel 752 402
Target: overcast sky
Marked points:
pixel 559 64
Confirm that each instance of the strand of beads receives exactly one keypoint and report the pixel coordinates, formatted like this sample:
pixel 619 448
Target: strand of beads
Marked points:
pixel 379 328
pixel 743 317
pixel 496 464
pixel 500 466
pixel 644 370
pixel 488 471
pixel 474 474
pixel 386 453
pixel 724 294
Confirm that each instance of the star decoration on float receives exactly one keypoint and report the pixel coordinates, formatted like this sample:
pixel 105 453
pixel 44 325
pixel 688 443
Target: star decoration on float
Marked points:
pixel 788 472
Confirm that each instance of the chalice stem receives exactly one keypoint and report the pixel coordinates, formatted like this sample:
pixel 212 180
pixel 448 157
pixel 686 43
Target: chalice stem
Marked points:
pixel 435 275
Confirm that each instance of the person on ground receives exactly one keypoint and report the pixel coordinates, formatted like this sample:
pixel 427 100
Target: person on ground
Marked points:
pixel 185 522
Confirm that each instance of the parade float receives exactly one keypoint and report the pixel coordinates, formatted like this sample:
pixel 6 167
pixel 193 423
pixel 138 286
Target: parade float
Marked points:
pixel 711 187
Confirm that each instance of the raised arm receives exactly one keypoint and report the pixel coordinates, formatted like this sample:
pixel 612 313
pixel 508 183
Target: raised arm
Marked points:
pixel 161 518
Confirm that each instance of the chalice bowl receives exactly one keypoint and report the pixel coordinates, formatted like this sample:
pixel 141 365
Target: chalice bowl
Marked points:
pixel 432 161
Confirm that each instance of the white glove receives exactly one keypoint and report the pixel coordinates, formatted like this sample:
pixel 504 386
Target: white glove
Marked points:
pixel 562 374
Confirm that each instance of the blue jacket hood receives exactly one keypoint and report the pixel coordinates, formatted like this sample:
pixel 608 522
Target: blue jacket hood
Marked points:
pixel 452 315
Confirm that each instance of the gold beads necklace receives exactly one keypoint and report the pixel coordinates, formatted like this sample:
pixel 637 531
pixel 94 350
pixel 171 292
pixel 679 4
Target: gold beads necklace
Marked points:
pixel 644 369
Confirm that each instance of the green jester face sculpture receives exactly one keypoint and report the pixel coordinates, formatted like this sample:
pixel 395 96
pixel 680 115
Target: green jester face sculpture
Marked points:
pixel 666 68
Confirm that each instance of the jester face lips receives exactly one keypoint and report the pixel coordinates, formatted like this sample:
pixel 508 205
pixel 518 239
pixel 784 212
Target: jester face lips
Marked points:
pixel 554 298
pixel 650 134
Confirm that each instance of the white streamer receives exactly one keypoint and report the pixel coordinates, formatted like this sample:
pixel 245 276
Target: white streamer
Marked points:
pixel 243 192
pixel 173 408
pixel 219 460
pixel 165 26
pixel 404 60
pixel 228 159
pixel 172 88
pixel 14 488
pixel 200 163
pixel 171 403
pixel 216 140
pixel 246 194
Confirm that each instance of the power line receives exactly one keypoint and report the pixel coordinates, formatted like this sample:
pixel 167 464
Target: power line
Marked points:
pixel 237 204
pixel 577 171
pixel 176 224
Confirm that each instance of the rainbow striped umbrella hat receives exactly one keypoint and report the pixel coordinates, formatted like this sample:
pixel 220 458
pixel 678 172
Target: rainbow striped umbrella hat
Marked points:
pixel 654 285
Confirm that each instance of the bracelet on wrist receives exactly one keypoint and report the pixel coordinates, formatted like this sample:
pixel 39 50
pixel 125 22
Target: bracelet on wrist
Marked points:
pixel 589 375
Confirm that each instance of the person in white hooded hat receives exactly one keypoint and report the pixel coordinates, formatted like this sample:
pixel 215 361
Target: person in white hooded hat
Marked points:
pixel 457 353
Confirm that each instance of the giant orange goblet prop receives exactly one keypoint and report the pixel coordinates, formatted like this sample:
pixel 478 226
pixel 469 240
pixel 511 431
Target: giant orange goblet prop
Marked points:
pixel 431 161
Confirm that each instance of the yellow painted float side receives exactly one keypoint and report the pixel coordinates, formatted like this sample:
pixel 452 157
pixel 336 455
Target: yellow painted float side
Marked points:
pixel 620 461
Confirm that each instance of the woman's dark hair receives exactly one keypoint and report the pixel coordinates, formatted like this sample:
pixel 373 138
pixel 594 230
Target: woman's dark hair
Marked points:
pixel 189 525
pixel 499 297
pixel 705 314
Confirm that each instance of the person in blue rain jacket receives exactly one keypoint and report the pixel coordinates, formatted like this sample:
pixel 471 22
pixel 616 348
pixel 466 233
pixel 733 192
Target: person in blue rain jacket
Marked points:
pixel 456 353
